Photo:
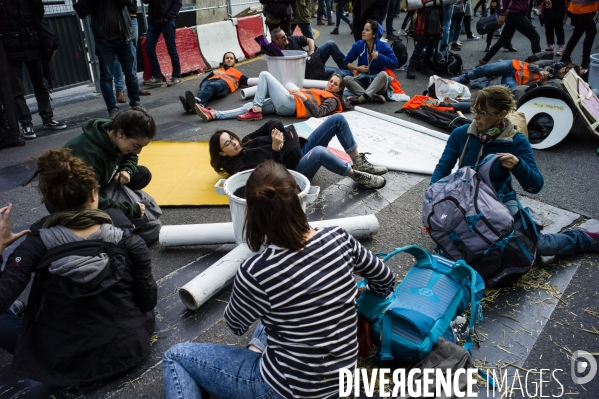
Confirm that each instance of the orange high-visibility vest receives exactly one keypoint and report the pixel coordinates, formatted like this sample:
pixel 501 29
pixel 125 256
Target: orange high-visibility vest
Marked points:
pixel 523 75
pixel 231 76
pixel 583 6
pixel 417 102
pixel 317 96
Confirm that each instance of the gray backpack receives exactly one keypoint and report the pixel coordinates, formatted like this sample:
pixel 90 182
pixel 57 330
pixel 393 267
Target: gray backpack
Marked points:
pixel 464 216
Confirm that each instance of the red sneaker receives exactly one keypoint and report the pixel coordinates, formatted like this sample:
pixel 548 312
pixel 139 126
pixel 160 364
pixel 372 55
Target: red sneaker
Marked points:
pixel 250 116
pixel 207 114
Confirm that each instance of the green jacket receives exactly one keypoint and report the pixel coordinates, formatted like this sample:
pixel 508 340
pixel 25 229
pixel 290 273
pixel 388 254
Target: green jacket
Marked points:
pixel 301 12
pixel 95 148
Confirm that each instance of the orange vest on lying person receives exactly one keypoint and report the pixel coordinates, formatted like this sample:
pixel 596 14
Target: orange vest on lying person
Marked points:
pixel 523 75
pixel 231 76
pixel 583 6
pixel 317 96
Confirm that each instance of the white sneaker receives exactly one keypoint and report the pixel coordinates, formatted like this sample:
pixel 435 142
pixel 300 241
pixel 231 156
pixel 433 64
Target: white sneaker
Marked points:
pixel 28 133
pixel 174 82
pixel 153 82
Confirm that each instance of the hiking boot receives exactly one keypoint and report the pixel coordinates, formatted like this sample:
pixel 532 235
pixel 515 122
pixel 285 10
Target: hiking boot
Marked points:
pixel 17 308
pixel 510 47
pixel 360 163
pixel 174 82
pixel 411 71
pixel 549 48
pixel 595 237
pixel 120 97
pixel 367 180
pixel 250 115
pixel 335 31
pixel 377 98
pixel 153 82
pixel 28 133
pixel 320 22
pixel 184 104
pixel 463 79
pixel 54 125
pixel 207 114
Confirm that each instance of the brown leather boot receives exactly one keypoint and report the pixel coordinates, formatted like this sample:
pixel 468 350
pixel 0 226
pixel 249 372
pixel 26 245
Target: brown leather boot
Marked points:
pixel 120 97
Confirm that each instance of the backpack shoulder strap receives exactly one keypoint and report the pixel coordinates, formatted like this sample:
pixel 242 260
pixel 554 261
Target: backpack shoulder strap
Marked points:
pixel 484 168
pixel 423 258
pixel 80 248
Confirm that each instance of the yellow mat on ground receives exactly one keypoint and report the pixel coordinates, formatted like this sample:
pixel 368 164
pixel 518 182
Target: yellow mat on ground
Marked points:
pixel 181 174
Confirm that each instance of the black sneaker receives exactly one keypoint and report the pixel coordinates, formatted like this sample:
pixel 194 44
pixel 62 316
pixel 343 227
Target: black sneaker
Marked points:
pixel 184 103
pixel 28 133
pixel 510 48
pixel 190 99
pixel 55 125
pixel 17 308
pixel 367 180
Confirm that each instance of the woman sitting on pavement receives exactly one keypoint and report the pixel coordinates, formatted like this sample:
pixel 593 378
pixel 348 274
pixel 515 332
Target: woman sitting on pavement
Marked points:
pixel 111 147
pixel 374 56
pixel 492 133
pixel 89 313
pixel 229 154
pixel 515 72
pixel 302 103
pixel 302 290
pixel 219 83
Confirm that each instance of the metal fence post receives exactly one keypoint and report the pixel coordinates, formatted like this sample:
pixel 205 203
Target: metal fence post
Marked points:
pixel 229 8
pixel 143 28
pixel 91 50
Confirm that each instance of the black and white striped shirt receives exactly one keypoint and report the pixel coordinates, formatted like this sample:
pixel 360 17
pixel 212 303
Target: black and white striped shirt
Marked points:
pixel 306 302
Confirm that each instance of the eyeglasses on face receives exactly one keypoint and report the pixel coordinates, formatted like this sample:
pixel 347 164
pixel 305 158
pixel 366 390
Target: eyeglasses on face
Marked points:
pixel 228 143
pixel 481 113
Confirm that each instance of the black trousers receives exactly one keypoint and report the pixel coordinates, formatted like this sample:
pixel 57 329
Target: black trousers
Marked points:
pixel 141 179
pixel 516 22
pixel 555 24
pixel 42 95
pixel 583 23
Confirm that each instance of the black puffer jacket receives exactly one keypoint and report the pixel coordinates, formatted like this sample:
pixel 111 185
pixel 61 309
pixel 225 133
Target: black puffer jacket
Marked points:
pixel 73 334
pixel 98 9
pixel 17 29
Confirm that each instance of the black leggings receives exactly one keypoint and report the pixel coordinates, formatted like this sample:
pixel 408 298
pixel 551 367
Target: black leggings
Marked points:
pixel 516 22
pixel 555 24
pixel 141 179
pixel 583 23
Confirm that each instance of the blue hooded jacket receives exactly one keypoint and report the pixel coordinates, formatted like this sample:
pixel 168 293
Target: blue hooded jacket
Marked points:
pixel 526 172
pixel 386 58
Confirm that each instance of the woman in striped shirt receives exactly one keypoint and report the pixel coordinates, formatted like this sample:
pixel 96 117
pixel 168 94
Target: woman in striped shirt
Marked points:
pixel 302 290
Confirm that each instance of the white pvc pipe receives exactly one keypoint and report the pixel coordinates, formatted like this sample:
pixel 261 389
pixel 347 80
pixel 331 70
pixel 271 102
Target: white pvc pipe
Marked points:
pixel 222 233
pixel 197 234
pixel 199 290
pixel 252 82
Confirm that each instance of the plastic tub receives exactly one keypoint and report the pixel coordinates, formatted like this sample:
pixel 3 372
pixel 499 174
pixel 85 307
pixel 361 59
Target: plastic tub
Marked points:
pixel 289 68
pixel 238 205
pixel 594 72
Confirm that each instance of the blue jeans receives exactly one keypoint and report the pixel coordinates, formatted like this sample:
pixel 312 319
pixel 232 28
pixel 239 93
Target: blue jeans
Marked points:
pixel 455 28
pixel 210 88
pixel 305 28
pixel 223 371
pixel 321 9
pixel 339 13
pixel 331 49
pixel 315 154
pixel 167 28
pixel 570 242
pixel 501 68
pixel 117 71
pixel 281 102
pixel 390 15
pixel 427 47
pixel 124 52
pixel 447 14
pixel 9 330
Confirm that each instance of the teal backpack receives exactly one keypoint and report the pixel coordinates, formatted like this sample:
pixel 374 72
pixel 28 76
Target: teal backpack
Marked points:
pixel 426 305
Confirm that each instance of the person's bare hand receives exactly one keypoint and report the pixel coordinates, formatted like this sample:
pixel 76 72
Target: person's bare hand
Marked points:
pixel 7 237
pixel 142 209
pixel 508 161
pixel 544 76
pixel 277 139
pixel 501 20
pixel 363 69
pixel 122 177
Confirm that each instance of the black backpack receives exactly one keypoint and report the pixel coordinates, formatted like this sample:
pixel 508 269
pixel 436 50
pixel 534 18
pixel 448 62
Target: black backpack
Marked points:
pixel 401 52
pixel 446 120
pixel 453 63
pixel 315 67
pixel 428 23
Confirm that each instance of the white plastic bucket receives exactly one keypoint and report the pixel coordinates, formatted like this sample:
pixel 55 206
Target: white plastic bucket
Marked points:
pixel 289 68
pixel 594 72
pixel 308 194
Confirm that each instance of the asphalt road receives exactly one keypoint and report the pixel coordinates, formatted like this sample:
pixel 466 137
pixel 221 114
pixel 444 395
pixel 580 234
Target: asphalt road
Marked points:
pixel 570 170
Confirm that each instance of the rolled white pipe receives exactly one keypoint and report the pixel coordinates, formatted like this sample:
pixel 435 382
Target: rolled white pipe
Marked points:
pixel 199 290
pixel 197 234
pixel 249 92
